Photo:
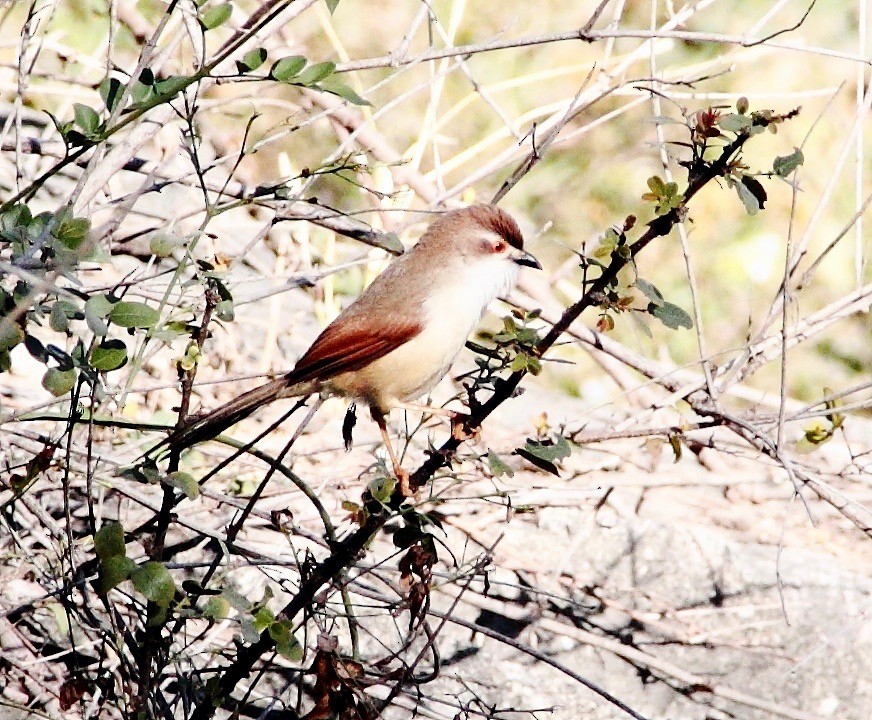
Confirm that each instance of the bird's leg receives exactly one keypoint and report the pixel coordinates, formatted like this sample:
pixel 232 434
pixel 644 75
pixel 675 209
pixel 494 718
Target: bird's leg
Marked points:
pixel 459 429
pixel 401 475
pixel 427 409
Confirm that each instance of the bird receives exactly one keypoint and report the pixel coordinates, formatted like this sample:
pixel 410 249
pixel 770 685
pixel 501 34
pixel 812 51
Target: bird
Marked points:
pixel 403 333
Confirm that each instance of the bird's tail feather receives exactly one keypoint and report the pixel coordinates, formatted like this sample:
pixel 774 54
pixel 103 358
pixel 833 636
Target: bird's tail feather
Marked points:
pixel 217 421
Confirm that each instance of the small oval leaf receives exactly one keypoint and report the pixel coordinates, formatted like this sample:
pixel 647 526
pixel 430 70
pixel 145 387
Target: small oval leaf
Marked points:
pixel 110 90
pixel 109 355
pixel 650 291
pixel 252 60
pixel 185 482
pixel 337 87
pixel 498 466
pixel 172 85
pixel 86 118
pixel 315 73
pixel 786 164
pixel 99 306
pixel 734 122
pixel 286 69
pixel 155 582
pixel 59 382
pixel 671 315
pixel 114 570
pixel 217 608
pixel 109 541
pixel 216 16
pixel 133 315
pixel 11 335
pixel 286 644
pixel 163 244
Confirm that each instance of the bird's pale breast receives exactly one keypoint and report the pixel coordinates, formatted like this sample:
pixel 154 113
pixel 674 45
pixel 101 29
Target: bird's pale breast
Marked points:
pixel 414 368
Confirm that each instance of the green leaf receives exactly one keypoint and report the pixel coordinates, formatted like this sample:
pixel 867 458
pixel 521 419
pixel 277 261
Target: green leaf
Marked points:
pixel 497 466
pixel 671 315
pixel 145 472
pixel 155 582
pixel 382 488
pixel 97 325
pixel 286 69
pixel 756 188
pixel 99 306
pixel 57 319
pixel 61 313
pixel 39 224
pixel 639 319
pixel 315 73
pixel 657 185
pixel 734 122
pixel 114 570
pixel 109 541
pixel 650 291
pixel 34 346
pixel 337 87
pixel 237 600
pixel 140 92
pixel 108 355
pixel 251 60
pixel 216 16
pixel 217 608
pixel 286 644
pixel 224 311
pixel 164 244
pixel 749 200
pixel 675 443
pixel 549 450
pixel 519 363
pixel 133 315
pixel 331 5
pixel 545 453
pixel 59 382
pixel 534 365
pixel 110 90
pixel 185 482
pixel 96 308
pixel 171 331
pixel 10 335
pixel 786 164
pixel 18 214
pixel 263 617
pixel 86 118
pixel 73 231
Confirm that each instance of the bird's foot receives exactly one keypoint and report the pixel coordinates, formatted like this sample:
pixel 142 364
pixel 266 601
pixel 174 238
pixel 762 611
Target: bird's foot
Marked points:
pixel 461 430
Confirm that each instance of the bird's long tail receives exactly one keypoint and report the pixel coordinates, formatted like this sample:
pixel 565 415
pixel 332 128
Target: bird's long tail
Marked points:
pixel 214 423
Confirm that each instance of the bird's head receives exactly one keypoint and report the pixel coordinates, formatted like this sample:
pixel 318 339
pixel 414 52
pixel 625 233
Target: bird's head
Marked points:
pixel 480 234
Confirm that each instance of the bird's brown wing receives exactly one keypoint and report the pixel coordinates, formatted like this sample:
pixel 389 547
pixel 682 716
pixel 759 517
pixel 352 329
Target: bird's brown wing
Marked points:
pixel 350 345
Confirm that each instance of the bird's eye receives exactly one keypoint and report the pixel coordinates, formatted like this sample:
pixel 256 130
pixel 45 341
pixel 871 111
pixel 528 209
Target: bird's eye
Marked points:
pixel 499 246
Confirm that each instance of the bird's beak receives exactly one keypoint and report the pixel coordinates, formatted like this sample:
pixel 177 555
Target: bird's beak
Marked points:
pixel 524 258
